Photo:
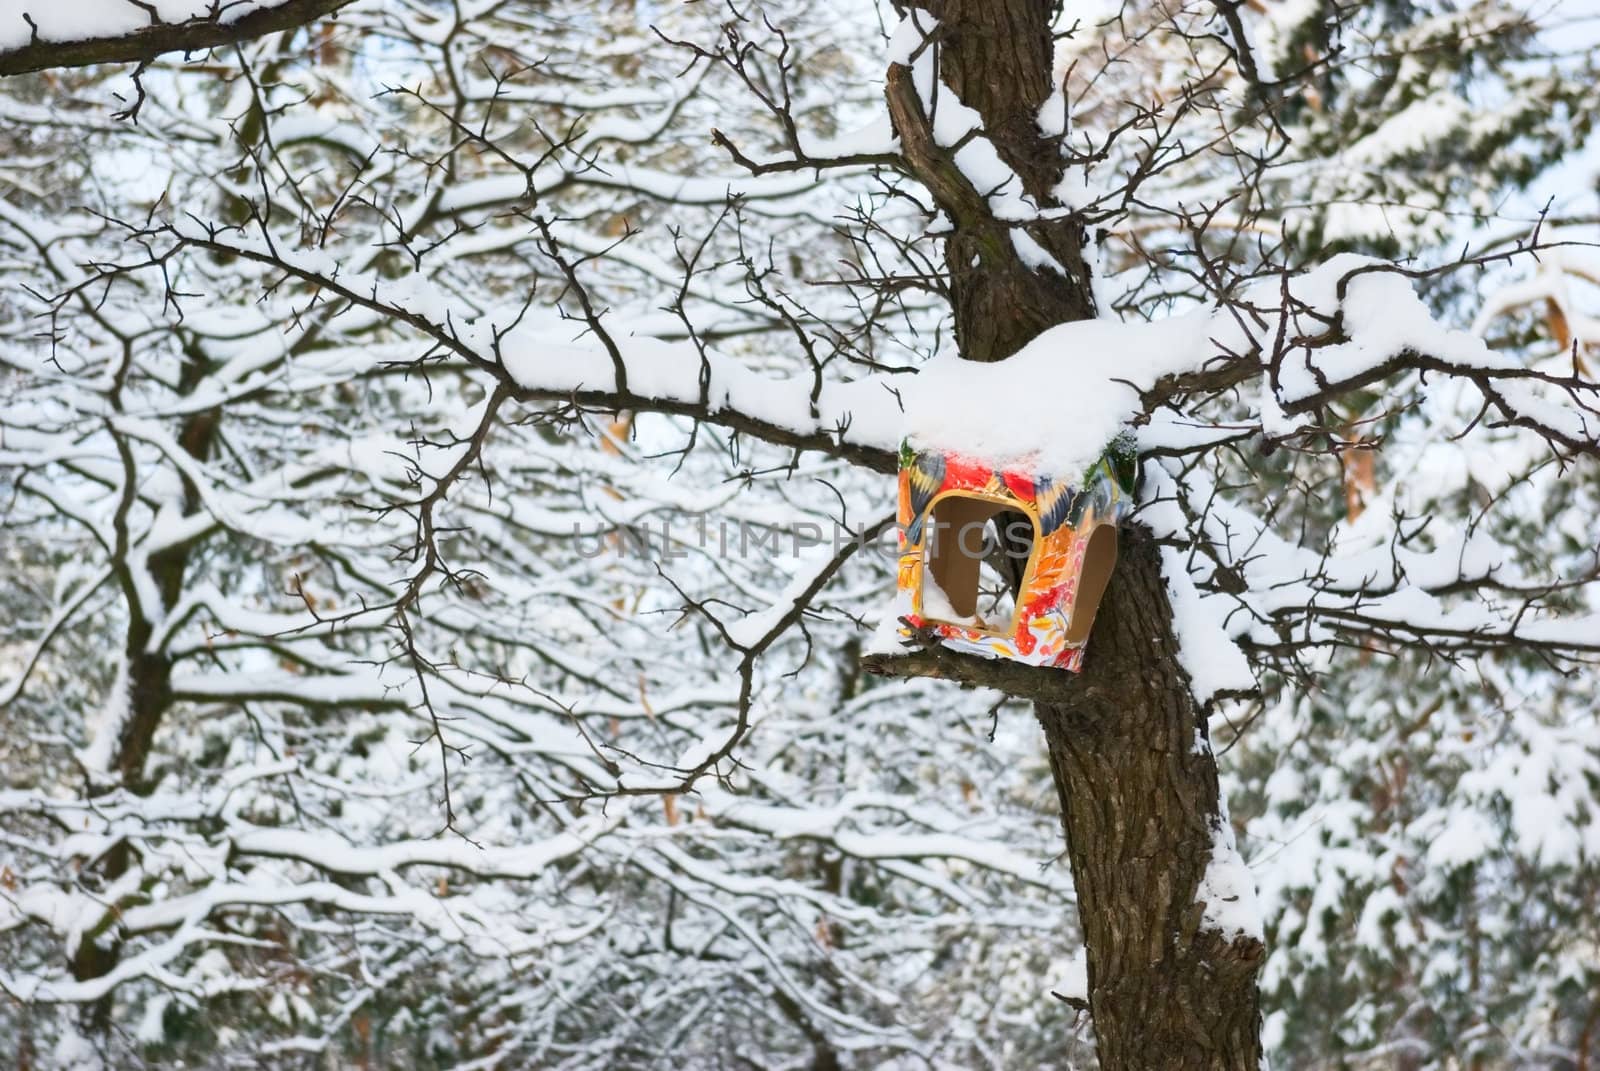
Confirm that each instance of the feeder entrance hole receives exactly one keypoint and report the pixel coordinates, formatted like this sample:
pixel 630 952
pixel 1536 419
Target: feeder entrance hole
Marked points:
pixel 973 542
pixel 980 552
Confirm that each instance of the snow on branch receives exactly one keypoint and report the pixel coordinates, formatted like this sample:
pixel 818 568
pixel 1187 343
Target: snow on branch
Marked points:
pixel 1312 338
pixel 37 36
pixel 535 352
pixel 1457 595
pixel 1308 339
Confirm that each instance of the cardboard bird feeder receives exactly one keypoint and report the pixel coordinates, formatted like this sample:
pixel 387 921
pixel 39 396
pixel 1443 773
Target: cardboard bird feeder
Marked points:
pixel 972 533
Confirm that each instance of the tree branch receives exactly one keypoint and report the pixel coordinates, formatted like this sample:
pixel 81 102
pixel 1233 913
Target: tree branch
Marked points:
pixel 219 26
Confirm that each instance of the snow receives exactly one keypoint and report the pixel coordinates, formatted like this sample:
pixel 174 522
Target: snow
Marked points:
pixel 75 1051
pixel 152 1029
pixel 936 604
pixel 542 353
pixel 839 824
pixel 872 138
pixel 1213 661
pixel 816 565
pixel 1033 254
pixel 1073 976
pixel 1413 129
pixel 1056 403
pixel 557 670
pixel 956 123
pixel 1465 839
pixel 885 638
pixel 339 856
pixel 1383 318
pixel 1275 29
pixel 107 726
pixel 1227 888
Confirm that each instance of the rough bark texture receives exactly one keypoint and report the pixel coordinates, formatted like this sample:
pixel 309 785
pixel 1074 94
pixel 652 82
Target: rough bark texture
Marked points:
pixel 995 54
pixel 1139 800
pixel 1139 795
pixel 143 45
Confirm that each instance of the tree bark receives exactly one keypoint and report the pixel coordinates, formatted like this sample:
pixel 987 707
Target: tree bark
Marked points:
pixel 995 56
pixel 1129 749
pixel 1140 803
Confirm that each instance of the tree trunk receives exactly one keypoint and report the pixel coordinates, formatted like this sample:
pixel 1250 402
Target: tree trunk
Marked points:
pixel 1140 803
pixel 149 697
pixel 1133 766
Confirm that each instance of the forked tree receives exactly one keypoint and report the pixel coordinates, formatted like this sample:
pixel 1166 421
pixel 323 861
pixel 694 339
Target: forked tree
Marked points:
pixel 476 259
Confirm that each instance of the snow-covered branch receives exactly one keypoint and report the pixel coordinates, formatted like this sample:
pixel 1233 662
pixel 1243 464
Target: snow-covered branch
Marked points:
pixel 39 36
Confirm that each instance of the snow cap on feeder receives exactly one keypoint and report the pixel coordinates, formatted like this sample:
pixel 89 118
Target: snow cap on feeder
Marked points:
pixel 965 523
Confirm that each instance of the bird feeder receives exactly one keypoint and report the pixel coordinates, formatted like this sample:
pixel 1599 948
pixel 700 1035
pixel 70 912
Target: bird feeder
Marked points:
pixel 971 533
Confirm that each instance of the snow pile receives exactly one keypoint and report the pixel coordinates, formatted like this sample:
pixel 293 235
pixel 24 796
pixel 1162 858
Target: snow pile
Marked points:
pixel 543 351
pixel 1226 889
pixel 1056 403
pixel 1413 129
pixel 1073 973
pixel 1275 32
pixel 936 604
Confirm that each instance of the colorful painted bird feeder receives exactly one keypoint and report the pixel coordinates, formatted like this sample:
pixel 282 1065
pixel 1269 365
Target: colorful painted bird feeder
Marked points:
pixel 971 533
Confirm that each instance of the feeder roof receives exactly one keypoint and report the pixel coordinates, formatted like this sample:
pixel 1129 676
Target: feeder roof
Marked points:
pixel 1052 406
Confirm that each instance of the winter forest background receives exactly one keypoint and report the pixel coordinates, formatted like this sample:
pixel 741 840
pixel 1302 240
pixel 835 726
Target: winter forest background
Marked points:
pixel 409 656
